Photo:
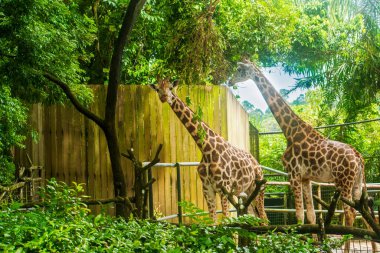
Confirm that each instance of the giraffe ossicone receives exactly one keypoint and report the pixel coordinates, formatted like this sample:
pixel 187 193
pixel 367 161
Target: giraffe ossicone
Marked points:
pixel 309 156
pixel 222 164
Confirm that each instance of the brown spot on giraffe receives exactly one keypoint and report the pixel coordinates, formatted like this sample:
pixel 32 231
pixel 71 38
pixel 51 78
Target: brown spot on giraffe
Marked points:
pixel 221 162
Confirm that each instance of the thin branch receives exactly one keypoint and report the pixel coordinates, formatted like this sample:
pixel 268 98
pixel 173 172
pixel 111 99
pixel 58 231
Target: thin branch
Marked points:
pixel 310 229
pixel 150 182
pixel 230 195
pixel 104 201
pixel 332 207
pixel 155 159
pixel 8 55
pixel 320 201
pixel 66 89
pixel 365 214
pixel 12 187
pixel 322 230
pixel 256 192
pixel 87 202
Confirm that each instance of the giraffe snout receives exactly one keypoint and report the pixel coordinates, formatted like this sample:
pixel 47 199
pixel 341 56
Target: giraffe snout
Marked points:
pixel 163 98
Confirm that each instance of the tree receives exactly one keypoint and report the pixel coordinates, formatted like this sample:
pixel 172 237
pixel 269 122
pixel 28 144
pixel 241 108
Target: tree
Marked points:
pixel 108 124
pixel 13 117
pixel 336 47
pixel 44 54
pixel 48 58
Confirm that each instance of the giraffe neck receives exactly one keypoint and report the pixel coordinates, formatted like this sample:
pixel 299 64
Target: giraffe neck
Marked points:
pixel 290 124
pixel 185 115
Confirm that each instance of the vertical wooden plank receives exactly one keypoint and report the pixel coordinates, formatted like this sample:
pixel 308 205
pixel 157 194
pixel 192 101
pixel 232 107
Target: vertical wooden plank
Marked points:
pixel 66 143
pixel 130 130
pixel 54 142
pixel 103 149
pixel 46 144
pixel 188 146
pixel 168 123
pixel 78 146
pixel 90 152
pixel 157 134
pixel 97 152
pixel 199 96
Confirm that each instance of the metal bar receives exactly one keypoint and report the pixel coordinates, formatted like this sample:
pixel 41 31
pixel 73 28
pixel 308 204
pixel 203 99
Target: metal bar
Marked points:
pixel 173 164
pixel 269 210
pixel 274 170
pixel 151 212
pixel 328 126
pixel 186 215
pixel 282 173
pixel 179 193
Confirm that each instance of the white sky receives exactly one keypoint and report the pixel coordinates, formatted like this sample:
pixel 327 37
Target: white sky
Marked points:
pixel 280 80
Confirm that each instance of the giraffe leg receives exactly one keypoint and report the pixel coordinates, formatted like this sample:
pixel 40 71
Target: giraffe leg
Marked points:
pixel 208 192
pixel 225 205
pixel 349 212
pixel 307 194
pixel 297 191
pixel 349 216
pixel 260 206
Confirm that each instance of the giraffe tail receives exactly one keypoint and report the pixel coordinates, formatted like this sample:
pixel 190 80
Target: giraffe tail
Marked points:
pixel 360 184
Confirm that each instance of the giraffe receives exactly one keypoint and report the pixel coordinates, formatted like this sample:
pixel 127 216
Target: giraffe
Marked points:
pixel 309 156
pixel 222 164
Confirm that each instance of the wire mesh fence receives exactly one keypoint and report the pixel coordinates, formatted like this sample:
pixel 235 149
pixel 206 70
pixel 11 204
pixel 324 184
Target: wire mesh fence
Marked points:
pixel 280 210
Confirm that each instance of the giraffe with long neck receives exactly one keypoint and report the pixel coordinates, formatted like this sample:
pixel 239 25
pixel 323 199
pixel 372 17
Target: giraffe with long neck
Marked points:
pixel 309 156
pixel 222 164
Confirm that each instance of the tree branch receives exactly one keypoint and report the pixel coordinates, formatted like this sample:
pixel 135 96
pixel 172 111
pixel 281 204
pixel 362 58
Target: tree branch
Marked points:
pixel 66 89
pixel 320 201
pixel 150 182
pixel 256 192
pixel 310 229
pixel 331 209
pixel 130 16
pixel 359 205
pixel 230 195
pixel 155 159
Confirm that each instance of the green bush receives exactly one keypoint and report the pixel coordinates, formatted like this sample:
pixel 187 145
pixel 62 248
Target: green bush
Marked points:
pixel 64 224
pixel 12 132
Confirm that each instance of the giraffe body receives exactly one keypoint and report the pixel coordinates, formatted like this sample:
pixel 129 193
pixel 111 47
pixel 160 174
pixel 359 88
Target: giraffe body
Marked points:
pixel 309 156
pixel 222 164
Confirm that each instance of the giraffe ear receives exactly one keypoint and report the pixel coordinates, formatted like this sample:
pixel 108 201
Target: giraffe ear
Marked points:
pixel 242 64
pixel 153 86
pixel 175 83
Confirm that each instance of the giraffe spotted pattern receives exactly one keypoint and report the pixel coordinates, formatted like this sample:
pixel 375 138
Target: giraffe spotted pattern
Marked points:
pixel 309 156
pixel 222 164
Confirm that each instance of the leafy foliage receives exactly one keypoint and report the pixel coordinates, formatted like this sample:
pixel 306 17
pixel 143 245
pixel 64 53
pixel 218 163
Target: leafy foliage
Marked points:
pixel 34 42
pixel 13 119
pixel 65 225
pixel 339 51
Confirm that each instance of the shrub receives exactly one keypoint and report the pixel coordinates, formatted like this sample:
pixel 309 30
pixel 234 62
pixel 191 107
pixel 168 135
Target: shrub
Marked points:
pixel 64 224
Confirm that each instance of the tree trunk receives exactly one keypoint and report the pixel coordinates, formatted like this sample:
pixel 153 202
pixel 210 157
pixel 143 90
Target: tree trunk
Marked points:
pixel 120 186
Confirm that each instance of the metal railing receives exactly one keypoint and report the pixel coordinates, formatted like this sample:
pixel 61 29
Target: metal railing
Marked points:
pixel 180 214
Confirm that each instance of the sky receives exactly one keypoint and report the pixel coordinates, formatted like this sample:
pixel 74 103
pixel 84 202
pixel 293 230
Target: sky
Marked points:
pixel 248 90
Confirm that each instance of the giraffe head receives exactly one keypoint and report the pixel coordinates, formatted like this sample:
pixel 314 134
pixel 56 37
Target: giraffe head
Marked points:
pixel 245 71
pixel 164 89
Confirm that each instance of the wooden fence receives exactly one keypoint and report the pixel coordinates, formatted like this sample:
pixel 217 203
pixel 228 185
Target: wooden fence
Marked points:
pixel 72 148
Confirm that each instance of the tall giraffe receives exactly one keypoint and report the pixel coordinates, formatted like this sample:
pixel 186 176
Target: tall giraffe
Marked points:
pixel 309 155
pixel 222 164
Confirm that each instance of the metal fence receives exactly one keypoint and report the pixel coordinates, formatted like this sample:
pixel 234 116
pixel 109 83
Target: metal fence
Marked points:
pixel 279 201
